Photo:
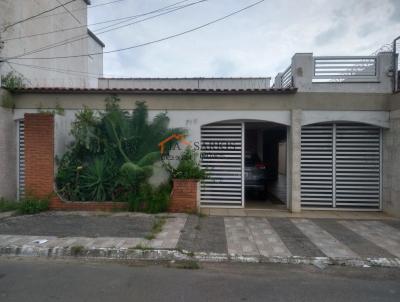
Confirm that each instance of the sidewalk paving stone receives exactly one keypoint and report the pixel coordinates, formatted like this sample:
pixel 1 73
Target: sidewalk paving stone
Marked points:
pixel 268 242
pixel 377 233
pixel 215 238
pixel 203 234
pixel 328 244
pixel 62 225
pixel 295 240
pixel 239 238
pixel 168 238
pixel 351 239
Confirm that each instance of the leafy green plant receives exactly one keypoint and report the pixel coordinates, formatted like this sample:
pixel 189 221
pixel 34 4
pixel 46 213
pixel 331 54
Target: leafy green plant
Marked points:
pixel 7 205
pixel 97 180
pixel 57 111
pixel 188 167
pixel 33 205
pixel 12 81
pixel 112 157
pixel 77 250
pixel 150 200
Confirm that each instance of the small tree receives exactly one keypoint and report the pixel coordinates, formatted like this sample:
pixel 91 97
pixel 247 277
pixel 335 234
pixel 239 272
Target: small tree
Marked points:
pixel 12 81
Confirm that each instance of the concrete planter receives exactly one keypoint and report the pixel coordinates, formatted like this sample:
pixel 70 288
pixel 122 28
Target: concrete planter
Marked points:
pixel 184 197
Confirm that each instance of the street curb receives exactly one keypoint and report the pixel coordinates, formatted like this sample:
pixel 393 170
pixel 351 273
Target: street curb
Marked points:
pixel 8 214
pixel 181 255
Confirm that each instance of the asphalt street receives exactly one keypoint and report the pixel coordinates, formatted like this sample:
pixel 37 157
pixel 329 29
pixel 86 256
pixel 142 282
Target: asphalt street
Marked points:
pixel 23 279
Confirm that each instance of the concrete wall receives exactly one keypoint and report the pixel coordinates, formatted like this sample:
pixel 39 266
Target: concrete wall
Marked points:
pixel 391 165
pixel 193 111
pixel 302 69
pixel 8 154
pixel 186 83
pixel 13 10
pixel 211 102
pixel 282 152
pixel 391 161
pixel 95 63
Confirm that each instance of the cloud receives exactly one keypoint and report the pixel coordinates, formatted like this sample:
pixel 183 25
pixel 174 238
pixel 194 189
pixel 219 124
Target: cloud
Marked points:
pixel 256 42
pixel 224 67
pixel 331 34
pixel 396 11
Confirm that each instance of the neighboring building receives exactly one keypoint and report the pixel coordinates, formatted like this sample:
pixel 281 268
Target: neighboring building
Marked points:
pixel 72 72
pixel 328 131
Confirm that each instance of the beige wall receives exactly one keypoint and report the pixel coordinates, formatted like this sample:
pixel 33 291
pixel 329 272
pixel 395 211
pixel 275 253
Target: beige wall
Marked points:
pixel 8 154
pixel 391 161
pixel 191 111
pixel 13 10
pixel 282 149
pixel 305 101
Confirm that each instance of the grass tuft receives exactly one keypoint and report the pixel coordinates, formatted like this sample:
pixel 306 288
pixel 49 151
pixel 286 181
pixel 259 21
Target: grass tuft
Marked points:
pixel 156 228
pixel 77 250
pixel 188 264
pixel 7 205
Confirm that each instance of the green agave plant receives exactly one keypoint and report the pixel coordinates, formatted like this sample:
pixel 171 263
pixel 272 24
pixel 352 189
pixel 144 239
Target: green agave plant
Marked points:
pixel 97 180
pixel 113 153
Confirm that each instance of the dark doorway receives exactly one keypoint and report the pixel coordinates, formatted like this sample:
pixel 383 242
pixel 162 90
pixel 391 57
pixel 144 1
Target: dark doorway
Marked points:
pixel 265 165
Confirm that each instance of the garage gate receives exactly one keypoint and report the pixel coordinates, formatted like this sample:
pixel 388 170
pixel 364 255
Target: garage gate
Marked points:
pixel 222 147
pixel 341 166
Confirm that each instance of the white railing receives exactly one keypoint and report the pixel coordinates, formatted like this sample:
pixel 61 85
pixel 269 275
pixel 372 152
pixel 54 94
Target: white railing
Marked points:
pixel 396 65
pixel 287 78
pixel 345 69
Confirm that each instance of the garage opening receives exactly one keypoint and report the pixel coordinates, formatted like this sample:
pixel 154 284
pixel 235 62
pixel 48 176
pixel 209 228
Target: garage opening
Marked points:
pixel 341 166
pixel 265 173
pixel 246 164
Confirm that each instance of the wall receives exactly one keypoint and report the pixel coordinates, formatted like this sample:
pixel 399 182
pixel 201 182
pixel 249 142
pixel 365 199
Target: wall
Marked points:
pixel 95 63
pixel 8 154
pixel 186 83
pixel 302 68
pixel 391 161
pixel 211 102
pixel 192 111
pixel 282 152
pixel 12 10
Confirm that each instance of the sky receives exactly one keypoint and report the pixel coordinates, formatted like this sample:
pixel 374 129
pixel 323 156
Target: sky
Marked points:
pixel 258 42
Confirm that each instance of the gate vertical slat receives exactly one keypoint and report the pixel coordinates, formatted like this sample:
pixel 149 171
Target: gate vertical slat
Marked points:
pixel 316 166
pixel 21 160
pixel 222 156
pixel 341 166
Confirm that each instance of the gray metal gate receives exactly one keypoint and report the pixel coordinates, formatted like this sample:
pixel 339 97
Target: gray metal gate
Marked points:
pixel 21 159
pixel 341 166
pixel 222 155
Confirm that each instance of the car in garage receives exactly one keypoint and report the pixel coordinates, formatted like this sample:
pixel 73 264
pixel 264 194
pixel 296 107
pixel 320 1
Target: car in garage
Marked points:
pixel 255 175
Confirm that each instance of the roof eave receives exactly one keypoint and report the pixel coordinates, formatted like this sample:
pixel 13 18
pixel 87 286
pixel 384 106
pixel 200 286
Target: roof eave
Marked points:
pixel 47 90
pixel 94 37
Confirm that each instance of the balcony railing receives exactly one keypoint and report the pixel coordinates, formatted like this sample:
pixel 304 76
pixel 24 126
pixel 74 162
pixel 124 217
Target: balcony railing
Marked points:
pixel 366 74
pixel 396 65
pixel 287 78
pixel 345 69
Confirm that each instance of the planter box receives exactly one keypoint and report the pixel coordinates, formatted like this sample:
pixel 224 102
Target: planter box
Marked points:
pixel 184 197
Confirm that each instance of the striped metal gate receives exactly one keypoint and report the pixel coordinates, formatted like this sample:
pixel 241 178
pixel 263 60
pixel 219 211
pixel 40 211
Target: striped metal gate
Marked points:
pixel 341 166
pixel 222 147
pixel 21 159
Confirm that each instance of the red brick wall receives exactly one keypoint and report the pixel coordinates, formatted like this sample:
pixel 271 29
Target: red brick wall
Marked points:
pixel 184 196
pixel 39 165
pixel 39 154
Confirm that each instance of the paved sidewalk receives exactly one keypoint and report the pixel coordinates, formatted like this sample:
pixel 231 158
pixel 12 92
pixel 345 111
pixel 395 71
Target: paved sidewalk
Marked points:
pixel 293 240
